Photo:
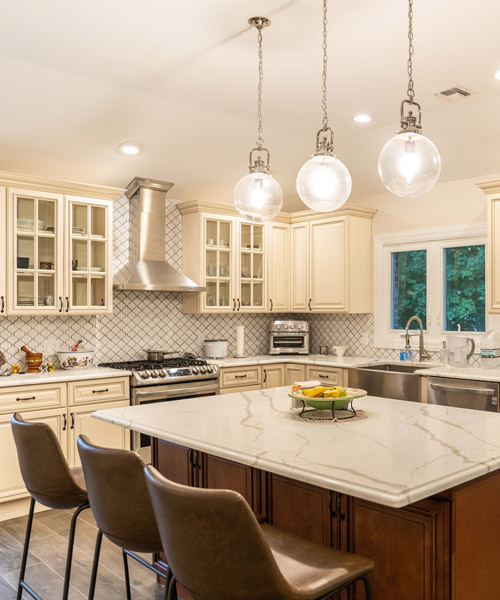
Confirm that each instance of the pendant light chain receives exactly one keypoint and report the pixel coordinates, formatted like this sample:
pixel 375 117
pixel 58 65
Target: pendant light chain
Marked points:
pixel 411 91
pixel 260 139
pixel 325 65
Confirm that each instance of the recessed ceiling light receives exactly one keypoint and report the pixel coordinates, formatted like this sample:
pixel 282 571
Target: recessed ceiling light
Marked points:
pixel 362 118
pixel 497 75
pixel 129 148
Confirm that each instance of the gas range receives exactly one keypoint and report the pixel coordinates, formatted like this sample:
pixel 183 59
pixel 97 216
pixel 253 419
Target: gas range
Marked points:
pixel 172 370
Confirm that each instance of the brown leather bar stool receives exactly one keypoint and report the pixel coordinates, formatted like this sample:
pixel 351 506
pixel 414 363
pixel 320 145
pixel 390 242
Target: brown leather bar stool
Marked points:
pixel 50 481
pixel 121 506
pixel 218 551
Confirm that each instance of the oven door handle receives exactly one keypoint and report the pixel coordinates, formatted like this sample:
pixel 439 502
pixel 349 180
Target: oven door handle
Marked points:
pixel 173 392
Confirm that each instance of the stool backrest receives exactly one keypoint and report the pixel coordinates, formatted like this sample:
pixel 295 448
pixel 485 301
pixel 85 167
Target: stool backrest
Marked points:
pixel 45 471
pixel 213 543
pixel 118 496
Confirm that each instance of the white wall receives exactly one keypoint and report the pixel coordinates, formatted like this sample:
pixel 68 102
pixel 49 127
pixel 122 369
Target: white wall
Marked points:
pixel 447 204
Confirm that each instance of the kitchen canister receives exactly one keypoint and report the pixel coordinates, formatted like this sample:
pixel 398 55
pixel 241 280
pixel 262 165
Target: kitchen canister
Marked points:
pixel 240 341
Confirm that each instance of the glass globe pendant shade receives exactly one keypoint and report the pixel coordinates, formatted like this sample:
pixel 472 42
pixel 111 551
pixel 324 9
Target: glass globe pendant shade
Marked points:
pixel 409 164
pixel 258 197
pixel 324 183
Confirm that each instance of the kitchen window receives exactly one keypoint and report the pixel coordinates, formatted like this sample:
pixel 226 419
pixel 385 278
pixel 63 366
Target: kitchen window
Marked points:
pixel 438 275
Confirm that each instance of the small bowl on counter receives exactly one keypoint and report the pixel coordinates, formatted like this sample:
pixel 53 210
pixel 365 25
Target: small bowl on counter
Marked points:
pixel 80 359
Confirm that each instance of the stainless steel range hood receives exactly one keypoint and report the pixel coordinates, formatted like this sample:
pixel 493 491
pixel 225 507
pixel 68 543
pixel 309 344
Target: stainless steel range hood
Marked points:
pixel 147 268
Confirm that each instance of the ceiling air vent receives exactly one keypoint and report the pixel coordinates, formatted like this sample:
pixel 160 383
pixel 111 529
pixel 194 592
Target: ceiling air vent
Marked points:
pixel 455 93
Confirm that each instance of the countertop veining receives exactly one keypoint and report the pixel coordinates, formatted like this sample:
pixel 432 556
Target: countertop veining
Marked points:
pixel 61 375
pixel 397 453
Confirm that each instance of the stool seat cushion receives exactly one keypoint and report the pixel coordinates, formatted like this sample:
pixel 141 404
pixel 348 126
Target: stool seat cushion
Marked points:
pixel 311 569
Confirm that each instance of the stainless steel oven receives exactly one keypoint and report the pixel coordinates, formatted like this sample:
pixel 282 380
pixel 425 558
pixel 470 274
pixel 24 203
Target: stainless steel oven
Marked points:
pixel 166 381
pixel 289 337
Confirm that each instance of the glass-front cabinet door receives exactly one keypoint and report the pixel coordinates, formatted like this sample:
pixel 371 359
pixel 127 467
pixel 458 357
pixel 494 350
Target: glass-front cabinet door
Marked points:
pixel 89 264
pixel 250 296
pixel 35 252
pixel 218 257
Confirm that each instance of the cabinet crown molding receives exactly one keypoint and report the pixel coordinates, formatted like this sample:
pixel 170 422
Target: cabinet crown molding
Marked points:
pixel 222 208
pixel 71 188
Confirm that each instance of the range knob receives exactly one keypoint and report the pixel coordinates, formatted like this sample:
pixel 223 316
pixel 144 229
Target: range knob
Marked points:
pixel 154 373
pixel 203 369
pixel 285 326
pixel 210 369
pixel 301 326
pixel 278 327
pixel 144 374
pixel 162 373
pixel 195 370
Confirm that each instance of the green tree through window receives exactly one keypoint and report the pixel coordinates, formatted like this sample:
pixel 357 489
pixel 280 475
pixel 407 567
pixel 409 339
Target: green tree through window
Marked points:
pixel 464 288
pixel 408 287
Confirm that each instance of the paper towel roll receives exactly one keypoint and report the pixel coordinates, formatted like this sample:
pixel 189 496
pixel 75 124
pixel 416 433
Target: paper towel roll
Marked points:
pixel 240 340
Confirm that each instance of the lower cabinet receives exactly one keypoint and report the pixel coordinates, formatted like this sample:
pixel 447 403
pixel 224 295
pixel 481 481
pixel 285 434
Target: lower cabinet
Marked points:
pixel 412 547
pixel 294 373
pixel 80 421
pixel 328 375
pixel 273 376
pixel 55 404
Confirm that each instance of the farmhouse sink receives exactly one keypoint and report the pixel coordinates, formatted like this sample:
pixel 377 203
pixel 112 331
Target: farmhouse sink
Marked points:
pixel 388 380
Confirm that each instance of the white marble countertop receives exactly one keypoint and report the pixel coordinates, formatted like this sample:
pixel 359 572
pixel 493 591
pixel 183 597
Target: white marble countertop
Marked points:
pixel 397 453
pixel 475 373
pixel 61 375
pixel 307 359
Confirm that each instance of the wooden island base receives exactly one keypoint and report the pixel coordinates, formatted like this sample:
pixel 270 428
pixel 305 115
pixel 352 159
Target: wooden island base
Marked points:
pixel 443 548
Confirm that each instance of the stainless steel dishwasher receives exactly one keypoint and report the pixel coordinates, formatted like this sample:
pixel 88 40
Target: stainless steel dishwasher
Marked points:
pixel 463 393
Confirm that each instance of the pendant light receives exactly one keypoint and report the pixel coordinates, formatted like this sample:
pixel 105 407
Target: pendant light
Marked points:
pixel 258 196
pixel 409 164
pixel 324 182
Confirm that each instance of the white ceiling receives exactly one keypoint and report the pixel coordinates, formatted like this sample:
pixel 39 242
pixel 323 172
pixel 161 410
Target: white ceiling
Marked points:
pixel 79 78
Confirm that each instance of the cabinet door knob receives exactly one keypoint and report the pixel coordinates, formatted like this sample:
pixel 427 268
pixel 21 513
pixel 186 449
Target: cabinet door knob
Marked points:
pixel 60 304
pixel 3 304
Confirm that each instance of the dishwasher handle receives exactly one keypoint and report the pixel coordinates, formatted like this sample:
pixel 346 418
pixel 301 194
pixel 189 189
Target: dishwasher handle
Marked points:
pixel 451 388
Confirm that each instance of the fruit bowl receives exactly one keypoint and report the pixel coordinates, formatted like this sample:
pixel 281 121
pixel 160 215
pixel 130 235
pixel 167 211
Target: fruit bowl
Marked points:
pixel 329 403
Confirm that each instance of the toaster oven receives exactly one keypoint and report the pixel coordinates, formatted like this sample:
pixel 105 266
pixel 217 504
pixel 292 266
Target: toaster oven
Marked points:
pixel 289 337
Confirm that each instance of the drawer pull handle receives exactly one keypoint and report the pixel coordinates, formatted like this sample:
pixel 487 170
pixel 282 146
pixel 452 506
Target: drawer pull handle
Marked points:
pixel 60 304
pixel 323 376
pixel 22 399
pixel 3 304
pixel 100 391
pixel 265 375
pixel 72 415
pixel 65 422
pixel 239 376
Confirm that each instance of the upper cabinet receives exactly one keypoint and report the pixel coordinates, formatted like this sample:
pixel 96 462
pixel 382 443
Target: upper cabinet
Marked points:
pixel 331 267
pixel 3 252
pixel 302 261
pixel 56 248
pixel 492 190
pixel 227 255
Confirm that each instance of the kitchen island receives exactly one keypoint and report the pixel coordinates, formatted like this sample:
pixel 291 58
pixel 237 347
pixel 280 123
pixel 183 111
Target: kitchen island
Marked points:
pixel 415 487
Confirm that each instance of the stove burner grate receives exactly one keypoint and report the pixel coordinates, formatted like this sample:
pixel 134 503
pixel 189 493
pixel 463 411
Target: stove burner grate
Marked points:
pixel 143 365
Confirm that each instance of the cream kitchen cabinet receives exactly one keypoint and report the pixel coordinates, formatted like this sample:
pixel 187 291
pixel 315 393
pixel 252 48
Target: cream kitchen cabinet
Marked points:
pixel 492 190
pixel 67 408
pixel 227 255
pixel 329 375
pixel 294 373
pixel 3 252
pixel 331 267
pixel 273 376
pixel 278 266
pixel 57 247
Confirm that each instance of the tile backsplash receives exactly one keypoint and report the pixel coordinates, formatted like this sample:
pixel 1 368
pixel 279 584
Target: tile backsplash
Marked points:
pixel 143 320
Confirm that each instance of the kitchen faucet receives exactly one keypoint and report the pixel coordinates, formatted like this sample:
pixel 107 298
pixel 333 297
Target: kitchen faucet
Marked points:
pixel 422 352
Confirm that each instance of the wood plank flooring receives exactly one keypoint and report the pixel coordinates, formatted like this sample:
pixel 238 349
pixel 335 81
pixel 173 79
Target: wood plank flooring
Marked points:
pixel 46 563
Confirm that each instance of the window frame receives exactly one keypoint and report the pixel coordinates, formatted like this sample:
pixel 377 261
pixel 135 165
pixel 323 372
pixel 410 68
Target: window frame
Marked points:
pixel 433 241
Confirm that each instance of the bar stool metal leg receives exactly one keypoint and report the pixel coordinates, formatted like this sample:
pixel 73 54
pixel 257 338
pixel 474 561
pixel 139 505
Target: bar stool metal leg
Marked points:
pixel 71 541
pixel 127 575
pixel 368 587
pixel 95 565
pixel 26 549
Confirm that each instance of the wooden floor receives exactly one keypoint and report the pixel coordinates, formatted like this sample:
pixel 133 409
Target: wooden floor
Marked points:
pixel 47 559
